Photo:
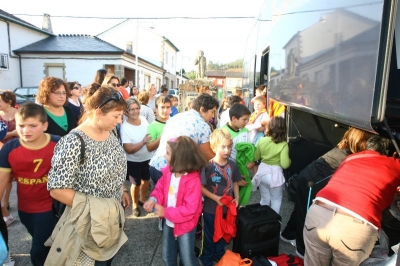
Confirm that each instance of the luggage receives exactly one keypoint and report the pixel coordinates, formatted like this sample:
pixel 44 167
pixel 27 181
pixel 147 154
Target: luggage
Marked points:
pixel 258 230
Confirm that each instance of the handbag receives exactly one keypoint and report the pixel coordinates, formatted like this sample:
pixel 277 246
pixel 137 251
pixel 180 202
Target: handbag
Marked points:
pixel 3 250
pixel 233 259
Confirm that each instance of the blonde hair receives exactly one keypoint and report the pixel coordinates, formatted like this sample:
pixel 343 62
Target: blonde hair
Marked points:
pixel 354 139
pixel 217 136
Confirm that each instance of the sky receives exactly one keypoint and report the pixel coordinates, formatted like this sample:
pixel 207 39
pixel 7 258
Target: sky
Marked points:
pixel 221 40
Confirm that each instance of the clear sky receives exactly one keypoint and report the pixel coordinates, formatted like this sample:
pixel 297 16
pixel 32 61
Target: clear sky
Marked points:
pixel 222 40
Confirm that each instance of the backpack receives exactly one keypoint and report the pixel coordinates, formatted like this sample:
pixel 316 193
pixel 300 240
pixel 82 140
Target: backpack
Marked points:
pixel 287 260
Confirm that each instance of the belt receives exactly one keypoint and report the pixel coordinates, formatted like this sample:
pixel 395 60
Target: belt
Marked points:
pixel 332 208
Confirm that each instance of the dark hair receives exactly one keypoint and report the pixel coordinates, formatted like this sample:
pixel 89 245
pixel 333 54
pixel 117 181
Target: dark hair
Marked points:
pixel 206 101
pixel 89 90
pixel 100 75
pixel 9 98
pixel 99 97
pixel 123 81
pixel 276 129
pixel 232 99
pixel 379 144
pixel 134 86
pixel 238 110
pixel 113 77
pixel 163 99
pixel 49 85
pixel 143 97
pixel 71 86
pixel 32 110
pixel 164 88
pixel 186 155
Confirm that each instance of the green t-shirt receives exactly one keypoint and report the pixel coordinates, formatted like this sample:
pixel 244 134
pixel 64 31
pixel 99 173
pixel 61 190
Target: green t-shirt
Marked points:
pixel 155 129
pixel 61 121
pixel 241 135
pixel 272 153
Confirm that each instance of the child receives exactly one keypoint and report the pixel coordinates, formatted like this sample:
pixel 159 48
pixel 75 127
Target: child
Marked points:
pixel 174 110
pixel 259 114
pixel 28 158
pixel 273 151
pixel 177 198
pixel 259 92
pixel 219 177
pixel 239 117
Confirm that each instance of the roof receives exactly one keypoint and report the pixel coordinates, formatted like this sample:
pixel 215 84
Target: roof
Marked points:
pixel 170 43
pixel 8 17
pixel 223 73
pixel 70 43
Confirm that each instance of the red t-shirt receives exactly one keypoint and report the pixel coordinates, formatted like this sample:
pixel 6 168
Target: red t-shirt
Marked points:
pixel 30 169
pixel 124 93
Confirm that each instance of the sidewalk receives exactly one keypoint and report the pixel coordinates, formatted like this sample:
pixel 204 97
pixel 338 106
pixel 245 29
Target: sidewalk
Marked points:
pixel 144 246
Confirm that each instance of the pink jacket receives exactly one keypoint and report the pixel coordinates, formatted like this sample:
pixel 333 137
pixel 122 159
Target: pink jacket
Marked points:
pixel 188 208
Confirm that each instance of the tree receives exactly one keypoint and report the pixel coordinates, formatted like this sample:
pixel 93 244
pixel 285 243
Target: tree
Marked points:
pixel 191 74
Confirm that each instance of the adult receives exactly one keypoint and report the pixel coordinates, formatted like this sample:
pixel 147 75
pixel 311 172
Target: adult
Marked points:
pixel 122 88
pixel 7 116
pixel 342 225
pixel 52 95
pixel 145 110
pixel 151 90
pixel 192 123
pixel 134 91
pixel 134 140
pixel 353 141
pixel 164 90
pixel 100 75
pixel 239 92
pixel 129 88
pixel 89 90
pixel 74 101
pixel 99 179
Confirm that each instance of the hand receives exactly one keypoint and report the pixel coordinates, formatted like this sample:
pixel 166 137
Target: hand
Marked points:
pixel 126 200
pixel 146 139
pixel 242 183
pixel 250 165
pixel 395 155
pixel 218 201
pixel 159 210
pixel 236 201
pixel 149 205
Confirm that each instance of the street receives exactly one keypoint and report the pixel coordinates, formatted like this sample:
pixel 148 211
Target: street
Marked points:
pixel 144 245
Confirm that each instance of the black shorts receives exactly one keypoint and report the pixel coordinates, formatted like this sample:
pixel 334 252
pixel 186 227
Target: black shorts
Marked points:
pixel 138 171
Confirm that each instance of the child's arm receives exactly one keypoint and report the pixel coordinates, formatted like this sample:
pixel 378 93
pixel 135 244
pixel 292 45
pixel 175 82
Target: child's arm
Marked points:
pixel 236 193
pixel 4 178
pixel 285 160
pixel 210 195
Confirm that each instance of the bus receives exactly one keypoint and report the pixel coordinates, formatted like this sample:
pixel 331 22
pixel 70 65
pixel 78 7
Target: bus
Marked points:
pixel 332 64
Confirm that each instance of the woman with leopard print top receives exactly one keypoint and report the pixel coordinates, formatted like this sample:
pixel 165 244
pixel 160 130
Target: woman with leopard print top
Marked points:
pixel 102 174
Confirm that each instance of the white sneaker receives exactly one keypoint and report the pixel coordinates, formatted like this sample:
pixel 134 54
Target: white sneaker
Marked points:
pixel 291 241
pixel 160 224
pixel 9 261
pixel 9 220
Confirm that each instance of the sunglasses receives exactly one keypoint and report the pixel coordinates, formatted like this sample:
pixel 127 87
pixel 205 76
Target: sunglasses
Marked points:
pixel 75 88
pixel 115 84
pixel 117 96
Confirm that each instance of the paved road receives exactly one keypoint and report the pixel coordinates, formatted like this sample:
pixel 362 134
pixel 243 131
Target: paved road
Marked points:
pixel 144 244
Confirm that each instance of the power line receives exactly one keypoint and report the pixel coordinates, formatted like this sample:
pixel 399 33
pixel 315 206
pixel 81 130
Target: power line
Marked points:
pixel 137 18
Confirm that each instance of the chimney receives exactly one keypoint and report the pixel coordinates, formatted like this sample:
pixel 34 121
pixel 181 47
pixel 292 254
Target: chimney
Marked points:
pixel 47 23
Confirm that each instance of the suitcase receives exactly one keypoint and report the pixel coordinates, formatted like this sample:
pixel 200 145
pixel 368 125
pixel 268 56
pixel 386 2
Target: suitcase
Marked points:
pixel 258 230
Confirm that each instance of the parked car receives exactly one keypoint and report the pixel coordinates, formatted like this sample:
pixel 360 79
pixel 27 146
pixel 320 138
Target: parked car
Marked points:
pixel 174 92
pixel 28 92
pixel 21 99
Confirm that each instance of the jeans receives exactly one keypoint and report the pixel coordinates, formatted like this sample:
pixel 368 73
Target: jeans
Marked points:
pixel 184 244
pixel 39 226
pixel 211 249
pixel 155 174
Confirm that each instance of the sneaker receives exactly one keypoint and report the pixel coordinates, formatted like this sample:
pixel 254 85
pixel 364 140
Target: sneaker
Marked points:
pixel 299 255
pixel 9 220
pixel 160 224
pixel 291 241
pixel 9 261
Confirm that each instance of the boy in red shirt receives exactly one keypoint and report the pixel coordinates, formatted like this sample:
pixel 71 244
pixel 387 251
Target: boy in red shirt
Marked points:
pixel 28 158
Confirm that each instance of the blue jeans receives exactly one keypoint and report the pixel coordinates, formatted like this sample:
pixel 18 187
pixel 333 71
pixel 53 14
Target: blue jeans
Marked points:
pixel 183 244
pixel 39 226
pixel 211 249
pixel 155 174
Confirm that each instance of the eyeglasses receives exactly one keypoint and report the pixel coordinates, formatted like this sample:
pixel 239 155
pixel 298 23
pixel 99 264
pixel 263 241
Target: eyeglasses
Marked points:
pixel 133 109
pixel 60 93
pixel 117 96
pixel 115 84
pixel 75 88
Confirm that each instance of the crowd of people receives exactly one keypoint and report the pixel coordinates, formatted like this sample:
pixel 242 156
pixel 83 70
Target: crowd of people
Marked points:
pixel 72 151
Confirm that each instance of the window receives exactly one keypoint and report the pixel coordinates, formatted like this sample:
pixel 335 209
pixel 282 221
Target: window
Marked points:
pixel 172 61
pixel 158 83
pixel 172 84
pixel 129 47
pixel 55 70
pixel 166 58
